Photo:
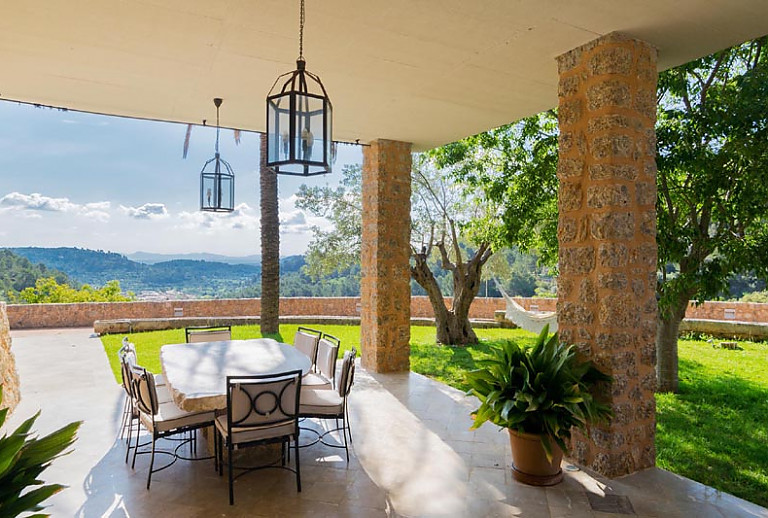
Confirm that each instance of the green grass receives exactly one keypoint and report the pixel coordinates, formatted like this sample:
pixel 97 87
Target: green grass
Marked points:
pixel 715 430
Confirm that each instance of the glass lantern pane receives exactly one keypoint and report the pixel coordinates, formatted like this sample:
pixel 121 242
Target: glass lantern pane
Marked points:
pixel 278 127
pixel 217 192
pixel 309 138
pixel 328 134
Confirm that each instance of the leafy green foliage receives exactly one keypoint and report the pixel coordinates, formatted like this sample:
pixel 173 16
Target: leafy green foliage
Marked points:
pixel 23 457
pixel 543 390
pixel 17 273
pixel 514 165
pixel 712 136
pixel 47 290
pixel 757 296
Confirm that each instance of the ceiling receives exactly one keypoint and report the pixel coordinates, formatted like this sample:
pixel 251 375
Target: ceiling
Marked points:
pixel 421 71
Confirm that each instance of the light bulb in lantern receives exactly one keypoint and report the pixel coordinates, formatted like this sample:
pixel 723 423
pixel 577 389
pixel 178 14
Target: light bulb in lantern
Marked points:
pixel 307 140
pixel 285 140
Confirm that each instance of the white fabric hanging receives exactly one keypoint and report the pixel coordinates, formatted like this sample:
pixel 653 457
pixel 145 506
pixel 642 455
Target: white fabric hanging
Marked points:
pixel 528 320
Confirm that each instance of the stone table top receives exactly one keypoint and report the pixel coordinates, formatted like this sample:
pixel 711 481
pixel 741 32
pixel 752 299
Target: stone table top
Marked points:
pixel 196 374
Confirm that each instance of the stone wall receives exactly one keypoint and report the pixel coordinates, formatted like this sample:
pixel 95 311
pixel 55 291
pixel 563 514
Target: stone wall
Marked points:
pixel 32 316
pixel 607 237
pixel 8 374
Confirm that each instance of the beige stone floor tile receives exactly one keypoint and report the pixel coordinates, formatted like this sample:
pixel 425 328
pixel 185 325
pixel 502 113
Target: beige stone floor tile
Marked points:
pixel 412 455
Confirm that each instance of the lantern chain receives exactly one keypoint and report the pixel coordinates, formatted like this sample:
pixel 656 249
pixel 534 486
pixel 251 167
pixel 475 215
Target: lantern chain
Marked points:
pixel 217 126
pixel 301 32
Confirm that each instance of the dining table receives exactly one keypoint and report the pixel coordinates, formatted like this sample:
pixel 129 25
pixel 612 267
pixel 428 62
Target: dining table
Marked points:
pixel 196 373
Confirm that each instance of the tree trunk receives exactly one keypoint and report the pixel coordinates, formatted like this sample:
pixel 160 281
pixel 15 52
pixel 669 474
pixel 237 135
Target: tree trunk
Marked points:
pixel 270 247
pixel 452 325
pixel 667 333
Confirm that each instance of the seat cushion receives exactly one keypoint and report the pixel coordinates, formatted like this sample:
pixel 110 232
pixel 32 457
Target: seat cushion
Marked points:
pixel 315 380
pixel 163 394
pixel 170 417
pixel 242 435
pixel 320 402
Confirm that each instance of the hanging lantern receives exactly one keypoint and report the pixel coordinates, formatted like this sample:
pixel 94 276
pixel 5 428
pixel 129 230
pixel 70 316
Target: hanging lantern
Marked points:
pixel 299 140
pixel 217 180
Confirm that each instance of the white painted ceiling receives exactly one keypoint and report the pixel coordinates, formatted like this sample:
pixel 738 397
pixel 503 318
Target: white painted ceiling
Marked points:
pixel 422 71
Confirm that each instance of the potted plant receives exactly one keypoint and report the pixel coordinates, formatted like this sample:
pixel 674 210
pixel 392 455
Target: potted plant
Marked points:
pixel 537 394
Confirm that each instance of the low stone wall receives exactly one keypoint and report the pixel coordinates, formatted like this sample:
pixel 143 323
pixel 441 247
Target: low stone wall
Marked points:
pixel 725 329
pixel 30 316
pixel 8 375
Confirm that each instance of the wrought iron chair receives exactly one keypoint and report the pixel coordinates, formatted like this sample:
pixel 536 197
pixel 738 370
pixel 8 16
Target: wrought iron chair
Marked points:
pixel 325 377
pixel 197 334
pixel 332 404
pixel 260 410
pixel 162 419
pixel 305 340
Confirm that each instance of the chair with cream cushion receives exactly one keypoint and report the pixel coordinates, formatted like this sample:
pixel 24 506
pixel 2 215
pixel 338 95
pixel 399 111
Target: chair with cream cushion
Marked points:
pixel 198 334
pixel 260 410
pixel 325 377
pixel 162 419
pixel 305 340
pixel 332 404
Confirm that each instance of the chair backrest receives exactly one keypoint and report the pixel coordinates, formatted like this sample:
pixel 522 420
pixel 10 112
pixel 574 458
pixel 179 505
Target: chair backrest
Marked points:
pixel 128 351
pixel 208 334
pixel 144 390
pixel 305 340
pixel 125 374
pixel 347 376
pixel 268 400
pixel 327 352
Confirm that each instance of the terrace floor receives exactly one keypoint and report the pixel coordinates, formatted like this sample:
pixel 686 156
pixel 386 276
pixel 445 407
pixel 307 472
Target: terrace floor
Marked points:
pixel 413 455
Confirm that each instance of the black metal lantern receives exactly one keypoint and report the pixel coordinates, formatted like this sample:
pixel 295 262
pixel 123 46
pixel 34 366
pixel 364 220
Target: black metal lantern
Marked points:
pixel 299 140
pixel 217 180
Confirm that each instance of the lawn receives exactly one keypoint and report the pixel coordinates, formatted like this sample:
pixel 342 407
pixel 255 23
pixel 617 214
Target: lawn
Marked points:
pixel 715 430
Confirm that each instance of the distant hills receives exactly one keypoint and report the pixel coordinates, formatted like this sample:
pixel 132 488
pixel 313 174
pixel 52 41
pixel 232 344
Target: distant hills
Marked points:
pixel 96 267
pixel 150 258
pixel 180 275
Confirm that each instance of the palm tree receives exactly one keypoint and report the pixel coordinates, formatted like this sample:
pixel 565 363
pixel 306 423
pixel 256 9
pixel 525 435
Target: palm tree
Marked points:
pixel 270 247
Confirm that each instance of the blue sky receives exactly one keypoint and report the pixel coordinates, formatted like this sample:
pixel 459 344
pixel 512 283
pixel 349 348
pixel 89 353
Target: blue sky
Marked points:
pixel 109 183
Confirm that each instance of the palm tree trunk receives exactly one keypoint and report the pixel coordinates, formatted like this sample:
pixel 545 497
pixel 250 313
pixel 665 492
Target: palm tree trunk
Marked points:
pixel 270 247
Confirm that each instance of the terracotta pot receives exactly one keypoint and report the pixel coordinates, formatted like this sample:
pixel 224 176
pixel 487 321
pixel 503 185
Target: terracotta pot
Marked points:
pixel 529 462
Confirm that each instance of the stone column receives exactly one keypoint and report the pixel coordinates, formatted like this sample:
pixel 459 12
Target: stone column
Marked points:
pixel 607 238
pixel 8 375
pixel 386 287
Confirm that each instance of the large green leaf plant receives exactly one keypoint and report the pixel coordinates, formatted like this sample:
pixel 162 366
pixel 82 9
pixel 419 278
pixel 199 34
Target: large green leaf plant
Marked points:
pixel 23 457
pixel 542 390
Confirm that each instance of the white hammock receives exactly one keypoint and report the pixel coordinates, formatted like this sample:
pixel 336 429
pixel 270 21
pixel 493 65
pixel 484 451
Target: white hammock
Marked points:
pixel 528 320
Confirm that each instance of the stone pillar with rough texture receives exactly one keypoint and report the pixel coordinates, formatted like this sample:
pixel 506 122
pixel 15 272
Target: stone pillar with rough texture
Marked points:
pixel 607 238
pixel 8 375
pixel 386 280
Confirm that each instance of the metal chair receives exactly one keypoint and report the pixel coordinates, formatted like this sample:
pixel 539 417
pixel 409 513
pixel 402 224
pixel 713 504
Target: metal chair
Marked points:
pixel 260 410
pixel 325 377
pixel 162 419
pixel 197 334
pixel 332 404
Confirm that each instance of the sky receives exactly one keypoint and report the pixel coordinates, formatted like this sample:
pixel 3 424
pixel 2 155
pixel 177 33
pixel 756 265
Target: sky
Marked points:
pixel 118 184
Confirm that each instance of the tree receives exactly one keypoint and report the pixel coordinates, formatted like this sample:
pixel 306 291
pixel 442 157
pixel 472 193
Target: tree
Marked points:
pixel 270 246
pixel 441 235
pixel 47 291
pixel 712 134
pixel 443 220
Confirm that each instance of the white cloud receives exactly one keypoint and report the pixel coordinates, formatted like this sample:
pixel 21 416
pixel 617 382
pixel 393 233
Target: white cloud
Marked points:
pixel 296 221
pixel 242 217
pixel 32 204
pixel 146 211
